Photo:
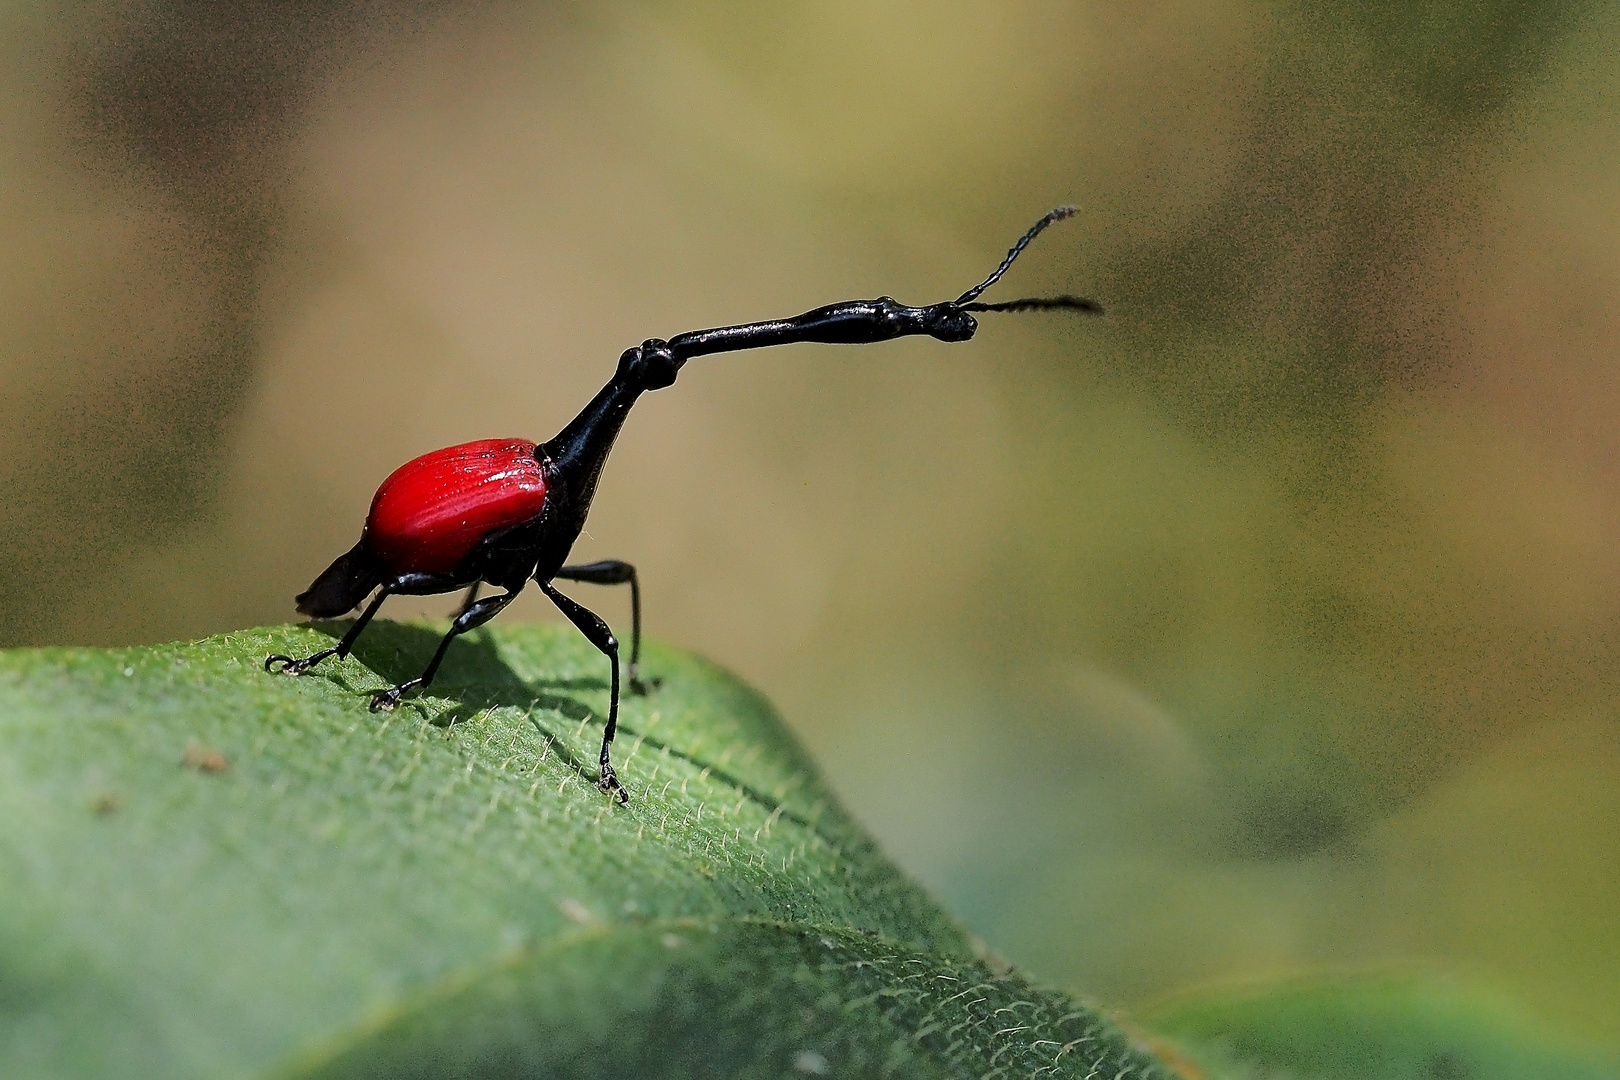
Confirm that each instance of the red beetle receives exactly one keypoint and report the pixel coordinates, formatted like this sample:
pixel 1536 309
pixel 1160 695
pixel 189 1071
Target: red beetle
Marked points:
pixel 503 511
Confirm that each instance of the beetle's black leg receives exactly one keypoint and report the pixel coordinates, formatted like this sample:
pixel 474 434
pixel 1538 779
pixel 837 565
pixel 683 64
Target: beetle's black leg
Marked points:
pixel 289 666
pixel 476 615
pixel 597 633
pixel 616 572
pixel 468 600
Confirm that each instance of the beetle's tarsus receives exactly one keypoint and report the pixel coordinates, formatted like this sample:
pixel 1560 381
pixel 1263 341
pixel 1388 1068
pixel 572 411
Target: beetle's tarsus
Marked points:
pixel 289 666
pixel 385 700
pixel 643 687
pixel 609 784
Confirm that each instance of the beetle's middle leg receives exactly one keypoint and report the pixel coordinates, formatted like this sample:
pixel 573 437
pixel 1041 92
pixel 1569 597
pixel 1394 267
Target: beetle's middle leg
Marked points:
pixel 476 615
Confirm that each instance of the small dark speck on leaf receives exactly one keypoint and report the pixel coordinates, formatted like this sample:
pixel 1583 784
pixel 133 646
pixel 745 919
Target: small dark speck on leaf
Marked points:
pixel 1445 1066
pixel 204 760
pixel 106 803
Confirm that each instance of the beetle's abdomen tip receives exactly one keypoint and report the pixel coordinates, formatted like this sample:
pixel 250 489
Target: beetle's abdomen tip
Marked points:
pixel 341 586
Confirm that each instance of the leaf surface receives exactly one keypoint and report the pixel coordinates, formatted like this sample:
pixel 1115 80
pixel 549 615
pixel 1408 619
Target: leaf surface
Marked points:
pixel 213 871
pixel 1385 1028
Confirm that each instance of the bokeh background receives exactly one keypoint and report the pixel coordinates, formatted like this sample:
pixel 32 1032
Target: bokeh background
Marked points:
pixel 1269 624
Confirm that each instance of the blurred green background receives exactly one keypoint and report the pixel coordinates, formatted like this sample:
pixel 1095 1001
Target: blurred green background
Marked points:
pixel 1268 625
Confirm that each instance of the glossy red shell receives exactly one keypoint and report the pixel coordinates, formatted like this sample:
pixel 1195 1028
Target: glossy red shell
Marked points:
pixel 434 509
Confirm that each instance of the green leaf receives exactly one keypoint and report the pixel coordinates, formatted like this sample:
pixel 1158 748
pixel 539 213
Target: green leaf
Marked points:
pixel 208 870
pixel 1389 1028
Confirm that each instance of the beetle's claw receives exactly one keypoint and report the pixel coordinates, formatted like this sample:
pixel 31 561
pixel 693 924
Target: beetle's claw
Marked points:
pixel 385 700
pixel 643 687
pixel 609 784
pixel 289 666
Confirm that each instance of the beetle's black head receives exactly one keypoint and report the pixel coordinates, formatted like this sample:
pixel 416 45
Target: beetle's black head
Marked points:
pixel 649 366
pixel 948 322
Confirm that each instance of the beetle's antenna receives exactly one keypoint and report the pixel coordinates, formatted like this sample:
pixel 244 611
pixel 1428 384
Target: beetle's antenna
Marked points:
pixel 1035 230
pixel 1040 303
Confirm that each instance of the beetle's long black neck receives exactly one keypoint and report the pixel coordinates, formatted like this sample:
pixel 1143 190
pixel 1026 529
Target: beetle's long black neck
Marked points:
pixel 576 456
pixel 579 450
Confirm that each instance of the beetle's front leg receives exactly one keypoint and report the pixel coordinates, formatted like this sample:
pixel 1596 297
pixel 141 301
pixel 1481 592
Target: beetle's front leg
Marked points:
pixel 597 633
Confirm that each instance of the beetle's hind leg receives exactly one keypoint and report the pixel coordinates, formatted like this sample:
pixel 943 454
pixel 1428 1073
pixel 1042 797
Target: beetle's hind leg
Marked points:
pixel 617 572
pixel 289 666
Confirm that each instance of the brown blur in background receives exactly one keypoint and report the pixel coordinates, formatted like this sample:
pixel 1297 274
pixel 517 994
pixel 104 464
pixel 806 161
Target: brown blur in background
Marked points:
pixel 1268 624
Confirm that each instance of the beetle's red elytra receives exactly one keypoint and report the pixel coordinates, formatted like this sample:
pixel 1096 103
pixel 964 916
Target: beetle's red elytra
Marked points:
pixel 433 510
pixel 507 511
